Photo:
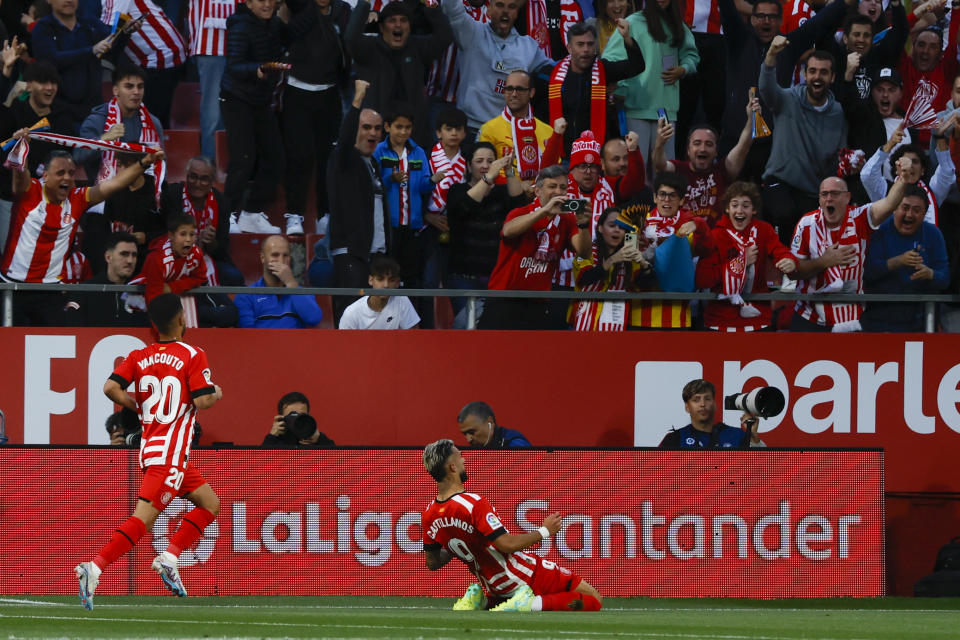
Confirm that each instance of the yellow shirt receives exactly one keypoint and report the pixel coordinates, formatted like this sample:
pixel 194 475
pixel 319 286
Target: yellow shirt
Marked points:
pixel 499 133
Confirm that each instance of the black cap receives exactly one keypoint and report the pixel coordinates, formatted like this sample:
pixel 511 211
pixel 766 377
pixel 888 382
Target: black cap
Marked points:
pixel 887 74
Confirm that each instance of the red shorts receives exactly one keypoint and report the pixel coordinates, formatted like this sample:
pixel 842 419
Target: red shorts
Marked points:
pixel 161 484
pixel 549 577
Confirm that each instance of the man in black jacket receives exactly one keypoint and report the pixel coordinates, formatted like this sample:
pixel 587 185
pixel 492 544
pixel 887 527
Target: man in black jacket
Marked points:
pixel 311 107
pixel 359 220
pixel 395 63
pixel 110 309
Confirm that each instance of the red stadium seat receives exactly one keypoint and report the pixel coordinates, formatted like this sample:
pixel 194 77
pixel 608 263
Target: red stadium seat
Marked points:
pixel 180 145
pixel 185 110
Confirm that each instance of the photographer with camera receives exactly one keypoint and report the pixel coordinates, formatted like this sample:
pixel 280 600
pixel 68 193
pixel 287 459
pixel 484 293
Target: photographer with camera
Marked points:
pixel 531 241
pixel 294 426
pixel 703 433
pixel 124 428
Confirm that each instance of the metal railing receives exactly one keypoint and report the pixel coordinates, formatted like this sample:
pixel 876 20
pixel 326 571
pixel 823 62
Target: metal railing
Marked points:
pixel 930 301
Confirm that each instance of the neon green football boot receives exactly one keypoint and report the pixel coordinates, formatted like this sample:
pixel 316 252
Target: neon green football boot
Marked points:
pixel 472 600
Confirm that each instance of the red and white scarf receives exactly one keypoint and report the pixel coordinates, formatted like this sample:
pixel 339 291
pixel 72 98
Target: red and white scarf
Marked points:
pixel 598 96
pixel 453 172
pixel 841 316
pixel 547 238
pixel 526 147
pixel 205 217
pixel 148 137
pixel 404 213
pixel 738 278
pixel 171 273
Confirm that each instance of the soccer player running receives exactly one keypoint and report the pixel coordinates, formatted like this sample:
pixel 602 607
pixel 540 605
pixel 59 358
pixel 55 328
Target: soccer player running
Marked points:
pixel 467 526
pixel 171 381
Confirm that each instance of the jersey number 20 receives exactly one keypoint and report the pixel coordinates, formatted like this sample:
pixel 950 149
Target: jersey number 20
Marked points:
pixel 163 403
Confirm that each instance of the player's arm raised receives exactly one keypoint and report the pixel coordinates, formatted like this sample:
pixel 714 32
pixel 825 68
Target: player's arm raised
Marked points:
pixel 207 400
pixel 510 542
pixel 436 558
pixel 118 394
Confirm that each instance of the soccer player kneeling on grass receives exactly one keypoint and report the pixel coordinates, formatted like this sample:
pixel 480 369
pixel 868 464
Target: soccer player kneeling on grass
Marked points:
pixel 172 381
pixel 467 526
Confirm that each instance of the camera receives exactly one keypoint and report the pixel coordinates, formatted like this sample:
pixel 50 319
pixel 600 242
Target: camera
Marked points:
pixel 126 422
pixel 575 205
pixel 762 401
pixel 301 425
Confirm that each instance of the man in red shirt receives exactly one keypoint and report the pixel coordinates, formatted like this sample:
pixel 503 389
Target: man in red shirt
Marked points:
pixel 467 526
pixel 927 62
pixel 43 225
pixel 172 381
pixel 532 239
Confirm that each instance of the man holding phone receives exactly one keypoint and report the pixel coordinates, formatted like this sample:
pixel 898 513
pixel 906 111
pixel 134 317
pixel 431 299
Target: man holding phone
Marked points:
pixel 531 243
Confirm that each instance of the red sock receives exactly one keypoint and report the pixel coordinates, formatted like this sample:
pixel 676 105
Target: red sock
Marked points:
pixel 191 528
pixel 570 601
pixel 121 541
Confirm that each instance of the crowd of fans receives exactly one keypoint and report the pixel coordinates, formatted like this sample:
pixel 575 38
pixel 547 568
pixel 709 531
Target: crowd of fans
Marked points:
pixel 715 145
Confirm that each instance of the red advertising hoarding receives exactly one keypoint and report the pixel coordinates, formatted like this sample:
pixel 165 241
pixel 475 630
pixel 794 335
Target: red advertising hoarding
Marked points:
pixel 635 522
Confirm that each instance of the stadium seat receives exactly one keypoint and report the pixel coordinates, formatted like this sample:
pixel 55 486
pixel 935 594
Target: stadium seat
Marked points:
pixel 180 145
pixel 442 313
pixel 185 111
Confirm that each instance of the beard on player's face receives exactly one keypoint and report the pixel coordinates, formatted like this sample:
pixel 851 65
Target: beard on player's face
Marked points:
pixel 463 476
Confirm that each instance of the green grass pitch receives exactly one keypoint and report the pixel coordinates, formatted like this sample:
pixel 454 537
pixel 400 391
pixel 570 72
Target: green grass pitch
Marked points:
pixel 394 617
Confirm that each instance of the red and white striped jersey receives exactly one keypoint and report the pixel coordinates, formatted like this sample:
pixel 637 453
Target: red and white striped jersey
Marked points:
pixel 207 26
pixel 166 378
pixel 41 234
pixel 157 44
pixel 466 525
pixel 76 268
pixel 702 16
pixel 811 238
pixel 444 75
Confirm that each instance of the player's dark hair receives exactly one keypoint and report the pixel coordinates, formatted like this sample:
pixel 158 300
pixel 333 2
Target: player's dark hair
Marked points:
pixel 41 71
pixel 671 15
pixel 453 118
pixel 163 309
pixel 57 153
pixel 127 159
pixel 916 191
pixel 384 267
pixel 291 398
pixel 581 29
pixel 116 238
pixel 435 457
pixel 776 2
pixel 124 71
pixel 917 150
pixel 694 387
pixel 857 18
pixel 479 409
pixel 177 220
pixel 670 179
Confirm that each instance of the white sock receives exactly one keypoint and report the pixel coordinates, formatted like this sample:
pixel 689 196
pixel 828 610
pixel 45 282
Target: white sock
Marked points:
pixel 95 571
pixel 536 604
pixel 169 557
pixel 749 311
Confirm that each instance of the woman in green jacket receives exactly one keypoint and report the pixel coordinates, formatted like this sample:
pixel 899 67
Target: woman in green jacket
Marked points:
pixel 669 50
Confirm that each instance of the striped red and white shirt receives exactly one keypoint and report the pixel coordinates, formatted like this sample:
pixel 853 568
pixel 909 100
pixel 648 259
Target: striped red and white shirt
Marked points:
pixel 41 234
pixel 166 377
pixel 444 74
pixel 811 238
pixel 207 26
pixel 157 44
pixel 795 13
pixel 76 268
pixel 466 525
pixel 702 16
pixel 601 198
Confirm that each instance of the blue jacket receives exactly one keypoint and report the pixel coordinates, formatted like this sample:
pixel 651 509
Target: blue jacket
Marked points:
pixel 276 312
pixel 419 182
pixel 885 243
pixel 503 438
